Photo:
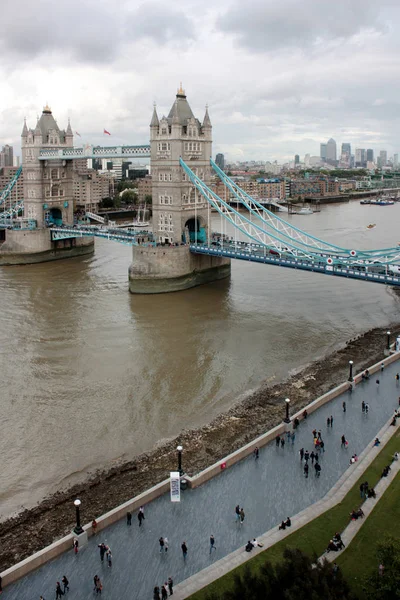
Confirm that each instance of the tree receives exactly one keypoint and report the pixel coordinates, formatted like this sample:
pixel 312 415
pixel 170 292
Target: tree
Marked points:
pixel 296 577
pixel 148 199
pixel 385 586
pixel 128 196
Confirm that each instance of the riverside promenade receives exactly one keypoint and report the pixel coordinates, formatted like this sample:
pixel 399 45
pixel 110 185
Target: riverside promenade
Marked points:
pixel 269 489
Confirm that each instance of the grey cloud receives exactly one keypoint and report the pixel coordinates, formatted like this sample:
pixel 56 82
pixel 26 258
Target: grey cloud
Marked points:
pixel 84 29
pixel 267 25
pixel 152 20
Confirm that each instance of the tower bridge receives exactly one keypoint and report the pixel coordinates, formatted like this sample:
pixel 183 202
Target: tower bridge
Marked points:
pixel 181 251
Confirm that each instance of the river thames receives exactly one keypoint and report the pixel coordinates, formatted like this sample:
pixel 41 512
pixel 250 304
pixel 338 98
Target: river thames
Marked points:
pixel 92 375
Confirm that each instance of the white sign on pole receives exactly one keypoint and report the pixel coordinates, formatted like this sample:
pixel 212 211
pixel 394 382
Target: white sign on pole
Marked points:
pixel 175 486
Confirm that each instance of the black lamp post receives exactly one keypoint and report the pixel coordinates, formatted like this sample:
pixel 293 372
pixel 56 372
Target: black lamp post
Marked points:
pixel 388 339
pixel 78 529
pixel 350 370
pixel 287 418
pixel 179 449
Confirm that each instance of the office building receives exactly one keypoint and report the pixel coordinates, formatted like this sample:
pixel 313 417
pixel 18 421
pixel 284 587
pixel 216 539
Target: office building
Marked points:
pixel 346 149
pixel 296 160
pixel 220 161
pixel 331 151
pixel 361 157
pixel 383 157
pixel 370 155
pixel 322 151
pixel 6 156
pixel 395 160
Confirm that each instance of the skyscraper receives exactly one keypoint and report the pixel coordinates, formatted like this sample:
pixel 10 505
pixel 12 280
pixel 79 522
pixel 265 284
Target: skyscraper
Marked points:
pixel 296 159
pixel 331 150
pixel 322 151
pixel 383 157
pixel 360 157
pixel 346 149
pixel 395 160
pixel 370 155
pixel 220 161
pixel 7 156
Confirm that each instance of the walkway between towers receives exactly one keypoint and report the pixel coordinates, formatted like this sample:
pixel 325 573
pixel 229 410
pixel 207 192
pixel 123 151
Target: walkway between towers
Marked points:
pixel 269 489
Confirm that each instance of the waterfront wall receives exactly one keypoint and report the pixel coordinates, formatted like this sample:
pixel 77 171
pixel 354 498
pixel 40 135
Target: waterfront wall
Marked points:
pixel 159 269
pixel 50 552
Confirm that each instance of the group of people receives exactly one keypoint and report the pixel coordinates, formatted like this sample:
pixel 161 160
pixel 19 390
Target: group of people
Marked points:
pixel 162 593
pixel 336 543
pixel 105 551
pixel 280 439
pixel 59 591
pixel 285 524
pixel 239 512
pixel 366 491
pixel 356 514
pixel 252 544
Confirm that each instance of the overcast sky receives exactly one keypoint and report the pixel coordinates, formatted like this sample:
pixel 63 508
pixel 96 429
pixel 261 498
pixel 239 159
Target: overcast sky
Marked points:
pixel 279 76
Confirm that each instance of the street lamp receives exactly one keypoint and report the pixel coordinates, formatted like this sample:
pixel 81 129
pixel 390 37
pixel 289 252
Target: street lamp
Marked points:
pixel 287 418
pixel 350 370
pixel 179 449
pixel 388 339
pixel 78 529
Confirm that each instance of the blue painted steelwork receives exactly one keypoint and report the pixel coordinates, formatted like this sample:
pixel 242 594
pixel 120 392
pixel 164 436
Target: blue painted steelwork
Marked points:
pixel 129 238
pixel 13 211
pixel 294 248
pixel 7 190
pixel 289 231
pixel 90 151
pixel 251 253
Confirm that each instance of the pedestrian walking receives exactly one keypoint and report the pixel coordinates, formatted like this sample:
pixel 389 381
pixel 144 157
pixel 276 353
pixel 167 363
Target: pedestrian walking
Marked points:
pixel 166 544
pixel 362 490
pixel 109 557
pixel 314 433
pixel 363 406
pixel 65 583
pixel 322 445
pixel 140 515
pixel 95 578
pixel 382 367
pixel 316 457
pixel 184 550
pixel 312 456
pixel 76 546
pixel 129 518
pixel 344 406
pixel 256 452
pixel 331 421
pixel 397 376
pixel 317 468
pixel 99 586
pixel 278 440
pixel 59 591
pixel 343 442
pixel 156 593
pixel 161 542
pixel 306 455
pixel 306 470
pixel 319 435
pixel 242 515
pixel 328 422
pixel 164 593
pixel 170 586
pixel 305 414
pixel 212 543
pixel 237 512
pixel 293 437
pixel 301 452
pixel 377 382
pixel 366 407
pixel 94 526
pixel 103 550
pixel 282 442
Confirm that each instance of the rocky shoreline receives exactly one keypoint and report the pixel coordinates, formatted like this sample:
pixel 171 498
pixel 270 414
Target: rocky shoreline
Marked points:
pixel 33 529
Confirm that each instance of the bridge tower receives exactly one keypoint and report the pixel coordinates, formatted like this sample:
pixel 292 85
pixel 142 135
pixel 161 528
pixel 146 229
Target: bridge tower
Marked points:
pixel 48 186
pixel 180 213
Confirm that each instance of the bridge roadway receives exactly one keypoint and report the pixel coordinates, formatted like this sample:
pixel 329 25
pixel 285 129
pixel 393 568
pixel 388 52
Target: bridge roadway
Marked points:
pixel 269 489
pixel 261 254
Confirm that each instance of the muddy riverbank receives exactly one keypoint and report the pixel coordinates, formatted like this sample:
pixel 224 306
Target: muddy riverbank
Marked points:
pixel 34 529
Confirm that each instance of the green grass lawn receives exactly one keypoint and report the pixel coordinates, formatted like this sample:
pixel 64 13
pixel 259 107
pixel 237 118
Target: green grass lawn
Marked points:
pixel 359 560
pixel 314 537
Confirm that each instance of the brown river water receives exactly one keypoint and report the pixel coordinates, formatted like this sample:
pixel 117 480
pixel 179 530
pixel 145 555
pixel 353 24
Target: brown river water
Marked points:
pixel 91 375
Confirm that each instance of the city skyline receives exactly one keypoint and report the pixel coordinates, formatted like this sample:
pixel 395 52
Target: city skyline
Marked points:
pixel 326 78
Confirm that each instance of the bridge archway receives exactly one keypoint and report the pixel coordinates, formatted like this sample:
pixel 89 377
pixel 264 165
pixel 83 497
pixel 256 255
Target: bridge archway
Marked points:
pixel 195 226
pixel 55 216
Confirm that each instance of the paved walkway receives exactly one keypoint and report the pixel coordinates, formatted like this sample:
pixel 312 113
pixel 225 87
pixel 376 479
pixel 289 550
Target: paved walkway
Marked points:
pixel 269 489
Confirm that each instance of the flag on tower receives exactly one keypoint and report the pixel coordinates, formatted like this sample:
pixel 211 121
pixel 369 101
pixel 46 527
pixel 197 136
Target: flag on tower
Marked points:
pixel 107 132
pixel 76 133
